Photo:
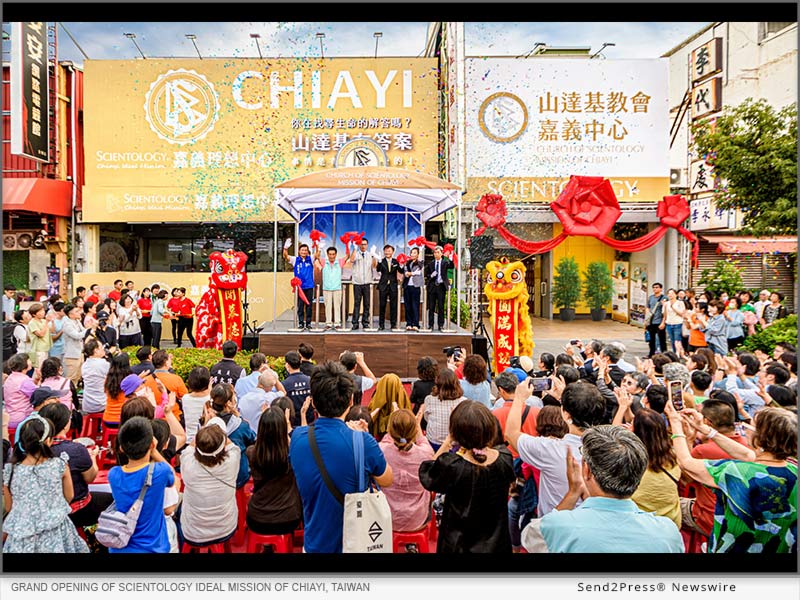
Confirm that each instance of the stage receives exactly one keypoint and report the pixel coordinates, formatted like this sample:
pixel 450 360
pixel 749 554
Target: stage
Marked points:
pixel 384 351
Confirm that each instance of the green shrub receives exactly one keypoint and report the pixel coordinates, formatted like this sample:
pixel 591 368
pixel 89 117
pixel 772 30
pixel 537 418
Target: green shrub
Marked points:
pixel 598 286
pixel 724 277
pixel 566 283
pixel 466 318
pixel 784 330
pixel 186 359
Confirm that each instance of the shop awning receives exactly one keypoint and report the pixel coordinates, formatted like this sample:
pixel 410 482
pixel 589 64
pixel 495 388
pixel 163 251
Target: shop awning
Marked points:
pixel 731 244
pixel 43 196
pixel 427 195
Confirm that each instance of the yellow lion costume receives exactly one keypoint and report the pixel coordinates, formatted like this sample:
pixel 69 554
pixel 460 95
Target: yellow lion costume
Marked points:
pixel 508 308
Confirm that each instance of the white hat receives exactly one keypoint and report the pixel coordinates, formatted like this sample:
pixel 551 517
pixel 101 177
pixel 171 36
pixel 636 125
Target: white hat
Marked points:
pixel 526 362
pixel 219 423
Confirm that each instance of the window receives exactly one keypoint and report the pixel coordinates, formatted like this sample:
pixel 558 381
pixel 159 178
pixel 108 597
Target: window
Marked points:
pixel 766 29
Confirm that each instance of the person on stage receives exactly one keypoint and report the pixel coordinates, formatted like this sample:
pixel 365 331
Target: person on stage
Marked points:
pixel 363 261
pixel 304 270
pixel 332 286
pixel 389 270
pixel 412 289
pixel 437 285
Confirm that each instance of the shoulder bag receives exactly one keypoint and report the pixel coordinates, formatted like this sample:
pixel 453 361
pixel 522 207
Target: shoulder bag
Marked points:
pixel 115 528
pixel 367 522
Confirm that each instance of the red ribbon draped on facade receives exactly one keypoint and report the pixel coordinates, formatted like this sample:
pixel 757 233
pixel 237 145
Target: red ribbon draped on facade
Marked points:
pixel 588 206
pixel 296 287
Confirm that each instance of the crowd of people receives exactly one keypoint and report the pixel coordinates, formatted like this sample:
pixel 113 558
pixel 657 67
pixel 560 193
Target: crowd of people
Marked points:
pixel 692 449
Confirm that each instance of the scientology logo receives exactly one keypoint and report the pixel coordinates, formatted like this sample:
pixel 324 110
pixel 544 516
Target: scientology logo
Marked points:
pixel 181 106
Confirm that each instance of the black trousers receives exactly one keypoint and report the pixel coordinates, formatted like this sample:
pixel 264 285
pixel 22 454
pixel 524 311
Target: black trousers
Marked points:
pixel 304 311
pixel 186 324
pixel 156 330
pixel 361 294
pixel 662 338
pixel 147 330
pixel 436 296
pixel 411 297
pixel 389 293
pixel 175 330
pixel 89 514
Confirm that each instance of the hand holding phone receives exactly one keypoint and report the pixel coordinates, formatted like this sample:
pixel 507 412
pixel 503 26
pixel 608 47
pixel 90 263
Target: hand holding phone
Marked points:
pixel 540 384
pixel 676 394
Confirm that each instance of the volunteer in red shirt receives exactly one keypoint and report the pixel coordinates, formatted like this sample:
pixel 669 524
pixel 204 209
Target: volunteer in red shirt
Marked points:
pixel 185 318
pixel 117 291
pixel 174 308
pixel 145 303
pixel 95 294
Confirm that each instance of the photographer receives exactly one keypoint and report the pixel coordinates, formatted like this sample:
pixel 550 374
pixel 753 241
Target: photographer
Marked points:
pixel 104 333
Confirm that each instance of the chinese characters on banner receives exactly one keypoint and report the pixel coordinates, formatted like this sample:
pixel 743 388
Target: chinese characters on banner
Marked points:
pixel 638 293
pixel 701 177
pixel 505 333
pixel 231 315
pixel 704 214
pixel 706 60
pixel 30 91
pixel 619 306
pixel 706 98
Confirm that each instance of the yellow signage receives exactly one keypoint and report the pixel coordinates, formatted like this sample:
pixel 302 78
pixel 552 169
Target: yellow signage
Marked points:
pixel 207 140
pixel 546 189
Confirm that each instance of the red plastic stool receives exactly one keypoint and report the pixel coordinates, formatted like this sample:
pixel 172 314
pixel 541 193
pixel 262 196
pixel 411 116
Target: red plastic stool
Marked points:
pixel 420 538
pixel 221 548
pixel 108 459
pixel 242 498
pixel 12 431
pixel 281 543
pixel 101 477
pixel 91 425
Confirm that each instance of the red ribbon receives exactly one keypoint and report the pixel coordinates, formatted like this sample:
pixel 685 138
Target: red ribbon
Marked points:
pixel 316 236
pixel 402 259
pixel 296 288
pixel 450 253
pixel 353 237
pixel 421 241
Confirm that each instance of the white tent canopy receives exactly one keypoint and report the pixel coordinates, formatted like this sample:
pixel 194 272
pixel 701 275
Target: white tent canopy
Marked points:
pixel 427 195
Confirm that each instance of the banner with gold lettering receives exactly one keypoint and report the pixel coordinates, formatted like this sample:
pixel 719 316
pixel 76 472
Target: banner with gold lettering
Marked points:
pixel 508 308
pixel 505 335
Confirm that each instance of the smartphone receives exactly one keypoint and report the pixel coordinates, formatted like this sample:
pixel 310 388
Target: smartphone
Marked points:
pixel 574 342
pixel 676 394
pixel 540 384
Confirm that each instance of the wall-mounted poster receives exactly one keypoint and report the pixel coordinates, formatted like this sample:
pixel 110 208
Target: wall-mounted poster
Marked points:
pixel 638 293
pixel 620 271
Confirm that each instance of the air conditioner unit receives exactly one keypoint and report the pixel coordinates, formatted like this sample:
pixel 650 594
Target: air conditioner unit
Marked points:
pixel 677 178
pixel 19 240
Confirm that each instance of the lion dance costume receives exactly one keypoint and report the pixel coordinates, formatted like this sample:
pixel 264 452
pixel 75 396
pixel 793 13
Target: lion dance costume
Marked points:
pixel 219 312
pixel 508 308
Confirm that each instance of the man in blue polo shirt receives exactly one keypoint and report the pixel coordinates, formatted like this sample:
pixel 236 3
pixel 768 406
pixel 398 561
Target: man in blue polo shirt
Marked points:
pixel 332 389
pixel 304 270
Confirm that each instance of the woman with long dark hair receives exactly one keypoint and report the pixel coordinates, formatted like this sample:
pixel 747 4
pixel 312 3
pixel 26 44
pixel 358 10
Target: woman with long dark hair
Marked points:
pixel 145 304
pixel 658 489
pixel 427 370
pixel 275 508
pixel 115 397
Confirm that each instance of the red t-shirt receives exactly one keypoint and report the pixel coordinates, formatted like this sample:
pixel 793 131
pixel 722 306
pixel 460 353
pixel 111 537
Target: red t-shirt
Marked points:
pixel 703 509
pixel 185 307
pixel 174 306
pixel 114 295
pixel 528 426
pixel 93 298
pixel 146 305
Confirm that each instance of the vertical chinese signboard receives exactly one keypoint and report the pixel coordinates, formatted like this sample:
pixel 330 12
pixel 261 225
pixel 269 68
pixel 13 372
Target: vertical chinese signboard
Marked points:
pixel 638 293
pixel 619 306
pixel 505 333
pixel 30 131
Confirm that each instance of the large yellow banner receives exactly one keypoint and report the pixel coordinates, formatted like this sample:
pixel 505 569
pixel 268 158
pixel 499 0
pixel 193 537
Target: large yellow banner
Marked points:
pixel 175 140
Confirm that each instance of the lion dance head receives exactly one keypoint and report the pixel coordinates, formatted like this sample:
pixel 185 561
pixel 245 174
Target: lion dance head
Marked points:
pixel 228 269
pixel 506 281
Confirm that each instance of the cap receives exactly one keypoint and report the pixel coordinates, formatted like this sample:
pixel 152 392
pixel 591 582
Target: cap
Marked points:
pixel 521 375
pixel 219 423
pixel 130 384
pixel 101 315
pixel 44 393
pixel 526 362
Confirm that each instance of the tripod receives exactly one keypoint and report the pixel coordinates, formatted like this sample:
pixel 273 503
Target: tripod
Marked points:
pixel 247 329
pixel 479 328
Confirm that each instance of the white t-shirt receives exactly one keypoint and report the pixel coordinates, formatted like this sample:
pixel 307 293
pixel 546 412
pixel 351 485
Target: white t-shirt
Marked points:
pixel 549 455
pixel 192 411
pixel 94 371
pixel 21 335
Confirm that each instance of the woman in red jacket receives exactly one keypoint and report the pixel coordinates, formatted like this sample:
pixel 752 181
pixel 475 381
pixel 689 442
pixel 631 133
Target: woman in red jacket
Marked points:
pixel 174 307
pixel 145 307
pixel 185 318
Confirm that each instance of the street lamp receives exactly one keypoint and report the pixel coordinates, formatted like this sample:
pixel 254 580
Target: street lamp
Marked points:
pixel 320 36
pixel 378 35
pixel 256 36
pixel 132 37
pixel 193 37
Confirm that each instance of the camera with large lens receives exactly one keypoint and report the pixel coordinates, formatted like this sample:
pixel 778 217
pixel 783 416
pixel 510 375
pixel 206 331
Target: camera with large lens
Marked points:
pixel 515 363
pixel 456 351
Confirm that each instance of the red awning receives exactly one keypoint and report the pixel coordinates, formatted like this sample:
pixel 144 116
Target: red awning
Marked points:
pixel 34 194
pixel 731 244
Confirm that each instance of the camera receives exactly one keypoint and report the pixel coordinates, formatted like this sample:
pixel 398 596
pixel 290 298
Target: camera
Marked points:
pixel 454 351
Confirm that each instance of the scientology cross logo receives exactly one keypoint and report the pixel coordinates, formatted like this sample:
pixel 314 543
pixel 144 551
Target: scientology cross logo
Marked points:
pixel 181 106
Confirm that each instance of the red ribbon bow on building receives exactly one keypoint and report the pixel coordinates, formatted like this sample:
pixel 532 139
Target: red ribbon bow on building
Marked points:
pixel 297 288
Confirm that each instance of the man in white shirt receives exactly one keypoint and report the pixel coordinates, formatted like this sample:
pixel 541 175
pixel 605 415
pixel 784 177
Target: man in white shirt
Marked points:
pixel 582 406
pixel 9 302
pixel 22 317
pixel 254 402
pixel 763 300
pixel 258 365
pixel 364 261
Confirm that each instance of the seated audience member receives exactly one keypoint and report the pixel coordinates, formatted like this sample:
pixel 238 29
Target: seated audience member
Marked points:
pixel 474 383
pixel 173 382
pixel 275 508
pixel 258 364
pixel 209 469
pixel 427 371
pixel 145 357
pixel 789 360
pixel 439 405
pixel 18 388
pixel 636 385
pixel 359 413
pixel 613 354
pixel 564 359
pixel 405 448
pixel 700 385
pixel 546 365
pixel 697 362
pixel 115 394
pixel 94 371
pixel 388 393
pixel 223 405
pixel 697 514
pixel 306 354
pixel 782 396
pixel 198 384
pixel 755 490
pixel 253 403
pixel 614 461
pixel 658 490
pixel 655 398
pixel 52 373
pixel 226 370
pixel 283 403
pixel 137 443
pixel 582 407
pixel 782 347
pixel 332 388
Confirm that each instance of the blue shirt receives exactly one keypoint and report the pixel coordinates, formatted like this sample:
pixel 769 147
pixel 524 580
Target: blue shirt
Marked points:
pixel 479 393
pixel 151 528
pixel 655 306
pixel 322 514
pixel 603 525
pixel 246 384
pixel 304 270
pixel 57 349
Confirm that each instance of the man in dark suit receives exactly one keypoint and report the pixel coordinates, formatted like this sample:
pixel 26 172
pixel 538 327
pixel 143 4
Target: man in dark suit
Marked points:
pixel 389 270
pixel 437 285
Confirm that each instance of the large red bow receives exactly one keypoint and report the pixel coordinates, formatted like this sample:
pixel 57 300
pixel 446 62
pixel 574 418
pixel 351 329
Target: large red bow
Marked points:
pixel 402 259
pixel 316 236
pixel 421 241
pixel 353 237
pixel 587 206
pixel 491 210
pixel 296 287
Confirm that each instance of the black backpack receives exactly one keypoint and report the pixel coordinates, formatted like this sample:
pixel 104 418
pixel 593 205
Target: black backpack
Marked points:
pixel 9 341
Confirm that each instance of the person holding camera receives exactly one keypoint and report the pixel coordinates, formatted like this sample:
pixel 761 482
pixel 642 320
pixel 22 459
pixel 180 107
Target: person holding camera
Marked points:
pixel 437 285
pixel 104 333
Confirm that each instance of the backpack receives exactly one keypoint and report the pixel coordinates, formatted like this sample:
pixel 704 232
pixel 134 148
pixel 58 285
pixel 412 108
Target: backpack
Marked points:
pixel 9 341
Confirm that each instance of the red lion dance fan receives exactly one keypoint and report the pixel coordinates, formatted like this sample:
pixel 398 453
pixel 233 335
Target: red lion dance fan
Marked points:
pixel 219 312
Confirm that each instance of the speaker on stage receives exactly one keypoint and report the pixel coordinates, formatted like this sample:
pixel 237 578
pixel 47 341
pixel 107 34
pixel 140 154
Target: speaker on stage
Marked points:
pixel 480 346
pixel 250 342
pixel 481 251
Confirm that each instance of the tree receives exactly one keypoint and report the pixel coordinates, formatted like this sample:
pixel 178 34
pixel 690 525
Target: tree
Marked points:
pixel 753 149
pixel 566 283
pixel 724 277
pixel 598 285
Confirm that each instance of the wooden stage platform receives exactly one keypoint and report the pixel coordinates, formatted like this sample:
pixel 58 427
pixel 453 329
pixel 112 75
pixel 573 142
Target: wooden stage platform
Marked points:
pixel 384 351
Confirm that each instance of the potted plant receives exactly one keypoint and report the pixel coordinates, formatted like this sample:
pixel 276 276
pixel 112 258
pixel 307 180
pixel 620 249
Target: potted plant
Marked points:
pixel 566 287
pixel 598 289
